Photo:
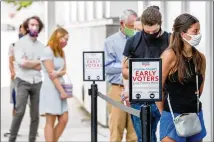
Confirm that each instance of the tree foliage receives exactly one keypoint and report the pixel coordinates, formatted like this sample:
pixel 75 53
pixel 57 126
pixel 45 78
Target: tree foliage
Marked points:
pixel 20 4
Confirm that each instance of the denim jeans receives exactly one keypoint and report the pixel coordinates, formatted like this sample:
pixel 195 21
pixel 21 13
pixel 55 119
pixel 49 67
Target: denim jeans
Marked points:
pixel 137 122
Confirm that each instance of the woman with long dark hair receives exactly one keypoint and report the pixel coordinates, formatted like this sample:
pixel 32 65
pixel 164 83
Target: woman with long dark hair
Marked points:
pixel 183 69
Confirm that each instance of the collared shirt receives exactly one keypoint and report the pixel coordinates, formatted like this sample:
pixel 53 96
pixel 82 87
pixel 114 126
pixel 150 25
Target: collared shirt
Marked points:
pixel 32 50
pixel 114 46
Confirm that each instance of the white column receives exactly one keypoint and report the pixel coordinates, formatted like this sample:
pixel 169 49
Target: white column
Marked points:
pixel 50 21
pixel 81 10
pixel 185 6
pixel 117 7
pixel 163 10
pixel 67 12
pixel 74 11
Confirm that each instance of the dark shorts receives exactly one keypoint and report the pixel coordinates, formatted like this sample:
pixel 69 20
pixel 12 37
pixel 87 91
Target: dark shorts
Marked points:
pixel 167 128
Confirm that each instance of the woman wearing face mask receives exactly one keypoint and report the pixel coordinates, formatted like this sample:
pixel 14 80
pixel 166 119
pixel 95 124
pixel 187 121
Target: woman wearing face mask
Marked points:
pixel 182 63
pixel 53 98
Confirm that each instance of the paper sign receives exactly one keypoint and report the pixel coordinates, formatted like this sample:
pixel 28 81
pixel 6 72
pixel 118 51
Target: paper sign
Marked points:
pixel 145 80
pixel 93 66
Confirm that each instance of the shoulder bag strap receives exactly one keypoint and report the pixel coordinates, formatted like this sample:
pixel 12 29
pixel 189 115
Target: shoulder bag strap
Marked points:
pixel 170 107
pixel 197 90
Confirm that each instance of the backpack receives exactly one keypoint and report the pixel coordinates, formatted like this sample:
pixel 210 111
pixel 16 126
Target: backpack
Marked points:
pixel 136 41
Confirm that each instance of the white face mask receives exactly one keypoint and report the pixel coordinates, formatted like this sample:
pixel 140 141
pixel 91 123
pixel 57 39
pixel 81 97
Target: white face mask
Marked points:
pixel 195 39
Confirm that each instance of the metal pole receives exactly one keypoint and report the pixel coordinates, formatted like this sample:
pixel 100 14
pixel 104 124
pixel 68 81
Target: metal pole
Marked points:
pixel 145 115
pixel 94 92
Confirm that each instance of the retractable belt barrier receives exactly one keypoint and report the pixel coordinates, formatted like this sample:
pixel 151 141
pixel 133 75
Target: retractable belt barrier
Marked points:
pixel 119 105
pixel 94 70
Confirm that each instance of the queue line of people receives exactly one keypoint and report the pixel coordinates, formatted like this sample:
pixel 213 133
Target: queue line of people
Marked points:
pixel 182 63
pixel 27 58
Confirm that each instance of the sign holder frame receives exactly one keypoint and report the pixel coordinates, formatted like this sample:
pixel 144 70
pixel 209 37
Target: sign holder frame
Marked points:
pixel 103 63
pixel 131 60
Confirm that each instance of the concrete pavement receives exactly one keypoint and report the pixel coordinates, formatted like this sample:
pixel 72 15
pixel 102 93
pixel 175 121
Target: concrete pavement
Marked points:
pixel 78 127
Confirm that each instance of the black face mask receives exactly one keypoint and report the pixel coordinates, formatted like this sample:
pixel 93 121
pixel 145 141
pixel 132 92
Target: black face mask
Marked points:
pixel 152 36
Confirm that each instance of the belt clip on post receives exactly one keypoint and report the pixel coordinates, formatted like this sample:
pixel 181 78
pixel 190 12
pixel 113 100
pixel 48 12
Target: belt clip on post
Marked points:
pixel 93 92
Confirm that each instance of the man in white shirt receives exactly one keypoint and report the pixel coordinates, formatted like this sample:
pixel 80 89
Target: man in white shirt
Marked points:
pixel 28 78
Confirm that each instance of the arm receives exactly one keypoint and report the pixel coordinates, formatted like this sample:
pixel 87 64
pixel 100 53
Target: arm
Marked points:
pixel 38 67
pixel 168 61
pixel 203 73
pixel 50 68
pixel 127 53
pixel 62 72
pixel 11 66
pixel 112 66
pixel 125 68
pixel 30 64
pixel 11 59
pixel 23 62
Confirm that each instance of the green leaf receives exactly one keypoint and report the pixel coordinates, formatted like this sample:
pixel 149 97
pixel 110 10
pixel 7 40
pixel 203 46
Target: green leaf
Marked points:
pixel 20 4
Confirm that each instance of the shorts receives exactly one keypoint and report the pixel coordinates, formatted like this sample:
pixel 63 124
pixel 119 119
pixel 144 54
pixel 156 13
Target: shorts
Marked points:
pixel 167 128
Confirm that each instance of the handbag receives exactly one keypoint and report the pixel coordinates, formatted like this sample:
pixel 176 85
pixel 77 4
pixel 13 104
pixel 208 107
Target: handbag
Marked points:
pixel 68 87
pixel 187 124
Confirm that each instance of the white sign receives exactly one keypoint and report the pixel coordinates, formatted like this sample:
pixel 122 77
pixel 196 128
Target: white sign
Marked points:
pixel 145 84
pixel 93 66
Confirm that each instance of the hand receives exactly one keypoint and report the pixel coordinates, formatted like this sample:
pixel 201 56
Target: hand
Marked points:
pixel 64 95
pixel 13 75
pixel 24 57
pixel 127 101
pixel 125 98
pixel 53 75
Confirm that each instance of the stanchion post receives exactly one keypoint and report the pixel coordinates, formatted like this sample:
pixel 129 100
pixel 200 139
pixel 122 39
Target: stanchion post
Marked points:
pixel 145 116
pixel 94 91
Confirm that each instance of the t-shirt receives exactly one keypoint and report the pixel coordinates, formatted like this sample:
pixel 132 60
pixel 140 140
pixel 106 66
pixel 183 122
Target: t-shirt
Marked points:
pixel 146 48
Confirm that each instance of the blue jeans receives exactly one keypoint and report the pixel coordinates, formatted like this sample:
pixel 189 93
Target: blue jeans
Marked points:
pixel 137 122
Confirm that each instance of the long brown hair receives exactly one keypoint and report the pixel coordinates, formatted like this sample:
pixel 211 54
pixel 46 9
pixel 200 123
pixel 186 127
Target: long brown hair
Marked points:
pixel 54 41
pixel 181 24
pixel 26 23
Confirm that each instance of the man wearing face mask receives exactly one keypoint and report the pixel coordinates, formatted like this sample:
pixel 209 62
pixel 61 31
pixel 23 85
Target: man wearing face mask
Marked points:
pixel 138 25
pixel 114 46
pixel 22 32
pixel 149 43
pixel 28 79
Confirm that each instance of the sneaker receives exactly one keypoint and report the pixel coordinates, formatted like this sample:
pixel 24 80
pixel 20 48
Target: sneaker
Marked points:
pixel 8 134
